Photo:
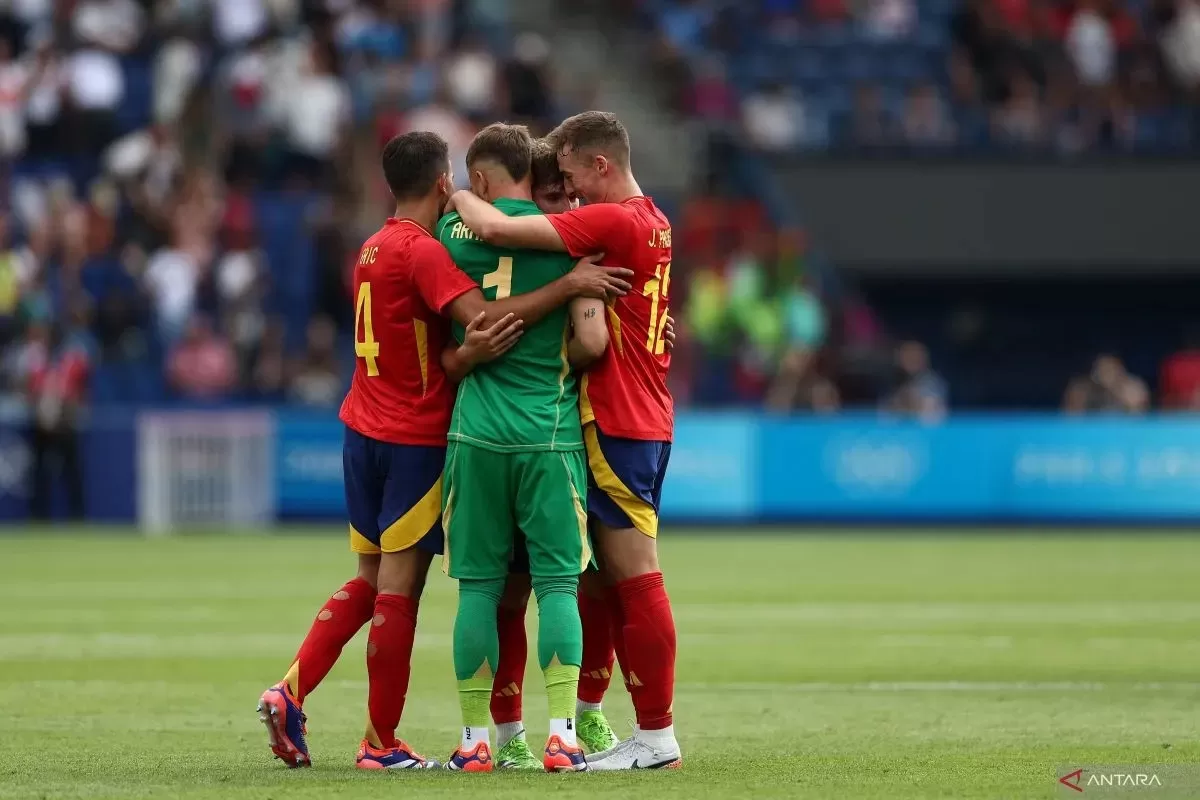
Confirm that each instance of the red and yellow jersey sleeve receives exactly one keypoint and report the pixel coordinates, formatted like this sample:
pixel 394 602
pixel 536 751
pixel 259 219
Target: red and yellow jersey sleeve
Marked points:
pixel 589 229
pixel 438 281
pixel 625 392
pixel 399 392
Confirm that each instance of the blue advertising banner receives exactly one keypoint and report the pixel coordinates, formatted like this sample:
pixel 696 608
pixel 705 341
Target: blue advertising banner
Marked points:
pixel 713 473
pixel 982 468
pixel 729 467
pixel 868 468
pixel 1124 469
pixel 308 465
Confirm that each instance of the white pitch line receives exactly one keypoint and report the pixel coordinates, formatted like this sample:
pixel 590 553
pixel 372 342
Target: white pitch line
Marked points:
pixel 820 687
pixel 113 645
pixel 882 614
pixel 802 687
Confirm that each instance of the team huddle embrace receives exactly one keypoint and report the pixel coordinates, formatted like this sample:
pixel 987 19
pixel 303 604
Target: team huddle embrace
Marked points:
pixel 508 411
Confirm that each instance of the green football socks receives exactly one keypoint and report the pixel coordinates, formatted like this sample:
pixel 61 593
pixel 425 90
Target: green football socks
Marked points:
pixel 560 642
pixel 476 648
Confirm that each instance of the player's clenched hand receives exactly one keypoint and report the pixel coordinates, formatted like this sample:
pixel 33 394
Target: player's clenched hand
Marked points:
pixel 603 283
pixel 485 344
pixel 669 332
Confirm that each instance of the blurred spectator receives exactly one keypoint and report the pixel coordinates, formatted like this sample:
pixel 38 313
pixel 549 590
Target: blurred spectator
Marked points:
pixel 684 23
pixel 176 71
pixel 148 157
pixel 316 117
pixel 171 277
pixel 773 118
pixel 1180 41
pixel 270 367
pixel 315 381
pixel 1179 378
pixel 964 83
pixel 528 81
pixel 14 85
pixel 888 19
pixel 112 25
pixel 1107 388
pixel 441 117
pixel 927 121
pixel 241 104
pixel 471 78
pixel 1021 120
pixel 800 387
pixel 1091 45
pixel 978 29
pixel 797 384
pixel 919 391
pixel 202 366
pixel 18 266
pixel 870 125
pixel 241 281
pixel 713 98
pixel 95 87
pixel 44 93
pixel 56 376
pixel 236 22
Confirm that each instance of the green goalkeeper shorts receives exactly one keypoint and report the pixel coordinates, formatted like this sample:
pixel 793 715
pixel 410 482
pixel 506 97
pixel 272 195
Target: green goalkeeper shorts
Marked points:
pixel 488 496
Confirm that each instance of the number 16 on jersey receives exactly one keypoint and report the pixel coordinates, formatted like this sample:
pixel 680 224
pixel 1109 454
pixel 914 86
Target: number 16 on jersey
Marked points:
pixel 656 289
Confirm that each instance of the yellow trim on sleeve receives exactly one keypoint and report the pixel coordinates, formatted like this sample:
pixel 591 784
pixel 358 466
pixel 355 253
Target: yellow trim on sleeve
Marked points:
pixel 421 331
pixel 615 323
pixel 416 522
pixel 640 512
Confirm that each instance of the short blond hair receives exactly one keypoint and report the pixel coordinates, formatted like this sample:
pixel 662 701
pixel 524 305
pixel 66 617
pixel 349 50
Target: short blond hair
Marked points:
pixel 593 130
pixel 504 144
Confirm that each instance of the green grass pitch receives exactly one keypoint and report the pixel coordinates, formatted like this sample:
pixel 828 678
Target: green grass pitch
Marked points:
pixel 843 665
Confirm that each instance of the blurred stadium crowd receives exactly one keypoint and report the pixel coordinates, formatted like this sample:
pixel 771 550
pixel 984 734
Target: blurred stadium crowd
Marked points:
pixel 186 181
pixel 1061 75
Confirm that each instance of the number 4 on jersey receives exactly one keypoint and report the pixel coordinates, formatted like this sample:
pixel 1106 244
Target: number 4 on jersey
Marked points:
pixel 656 289
pixel 366 348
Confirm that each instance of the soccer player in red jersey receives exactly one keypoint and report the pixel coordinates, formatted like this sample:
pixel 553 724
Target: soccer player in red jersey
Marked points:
pixel 627 410
pixel 397 414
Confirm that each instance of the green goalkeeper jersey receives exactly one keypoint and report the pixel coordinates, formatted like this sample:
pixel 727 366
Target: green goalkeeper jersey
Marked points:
pixel 527 399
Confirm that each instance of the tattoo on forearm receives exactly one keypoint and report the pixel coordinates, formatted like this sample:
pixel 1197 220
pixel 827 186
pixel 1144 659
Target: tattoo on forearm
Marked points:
pixel 589 313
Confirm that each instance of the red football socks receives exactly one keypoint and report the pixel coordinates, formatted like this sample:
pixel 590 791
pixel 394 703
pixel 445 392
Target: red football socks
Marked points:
pixel 650 649
pixel 616 627
pixel 509 681
pixel 595 671
pixel 389 659
pixel 338 620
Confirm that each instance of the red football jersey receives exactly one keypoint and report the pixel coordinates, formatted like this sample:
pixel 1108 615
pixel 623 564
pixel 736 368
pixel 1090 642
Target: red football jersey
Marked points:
pixel 625 392
pixel 403 281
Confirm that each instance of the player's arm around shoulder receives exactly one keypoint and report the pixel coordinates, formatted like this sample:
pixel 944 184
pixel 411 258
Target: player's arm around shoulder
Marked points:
pixel 533 231
pixel 480 345
pixel 590 332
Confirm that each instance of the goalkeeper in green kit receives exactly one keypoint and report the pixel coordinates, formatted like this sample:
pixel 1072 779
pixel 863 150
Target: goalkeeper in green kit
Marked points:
pixel 516 462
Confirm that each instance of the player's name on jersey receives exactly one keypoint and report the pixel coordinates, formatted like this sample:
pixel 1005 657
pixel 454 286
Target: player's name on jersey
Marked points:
pixel 461 231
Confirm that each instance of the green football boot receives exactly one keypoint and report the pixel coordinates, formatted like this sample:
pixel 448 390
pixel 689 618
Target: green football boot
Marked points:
pixel 594 733
pixel 517 755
